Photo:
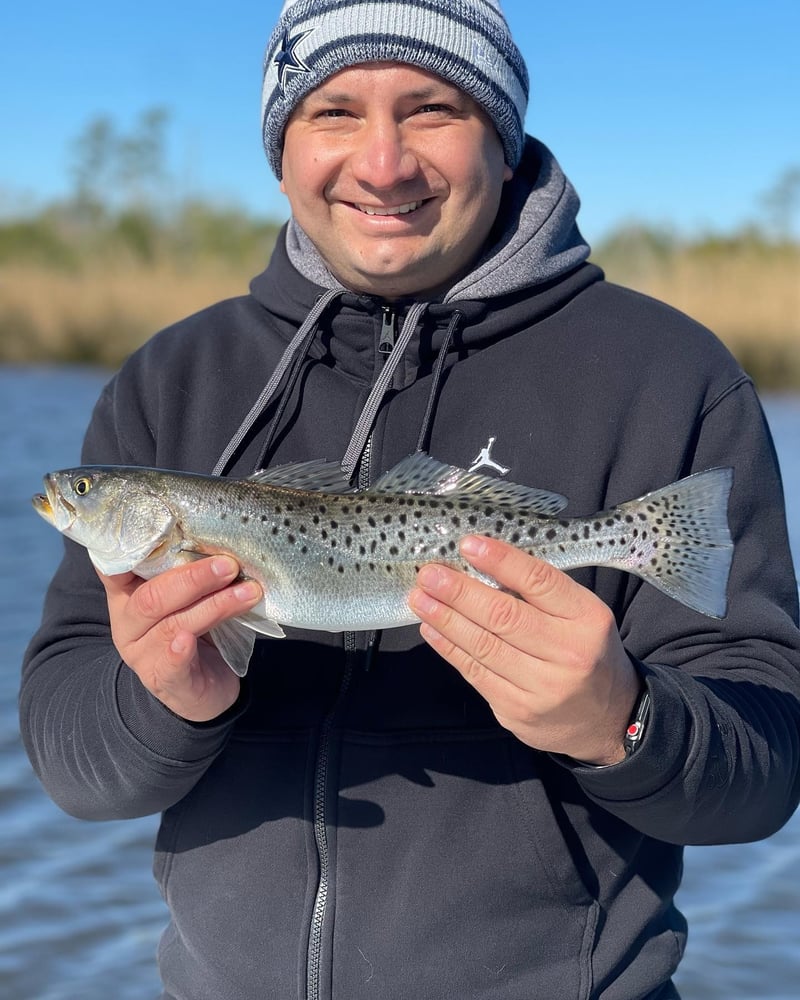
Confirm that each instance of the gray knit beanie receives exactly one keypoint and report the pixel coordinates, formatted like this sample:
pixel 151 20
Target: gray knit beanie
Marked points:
pixel 467 42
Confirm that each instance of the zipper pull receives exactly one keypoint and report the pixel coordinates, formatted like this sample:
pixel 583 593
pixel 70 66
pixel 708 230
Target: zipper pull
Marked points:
pixel 388 330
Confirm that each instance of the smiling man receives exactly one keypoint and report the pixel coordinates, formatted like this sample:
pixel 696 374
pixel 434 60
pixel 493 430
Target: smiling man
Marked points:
pixel 490 805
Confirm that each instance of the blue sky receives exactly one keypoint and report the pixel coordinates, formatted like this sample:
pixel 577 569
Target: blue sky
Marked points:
pixel 680 113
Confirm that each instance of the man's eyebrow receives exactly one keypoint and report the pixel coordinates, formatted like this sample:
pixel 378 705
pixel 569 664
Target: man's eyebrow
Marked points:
pixel 434 91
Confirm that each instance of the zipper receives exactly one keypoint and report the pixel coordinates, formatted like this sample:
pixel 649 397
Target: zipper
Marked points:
pixel 320 826
pixel 388 330
pixel 386 342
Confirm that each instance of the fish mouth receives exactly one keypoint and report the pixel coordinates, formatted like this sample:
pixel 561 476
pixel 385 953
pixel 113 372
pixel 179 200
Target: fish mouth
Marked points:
pixel 42 505
pixel 49 503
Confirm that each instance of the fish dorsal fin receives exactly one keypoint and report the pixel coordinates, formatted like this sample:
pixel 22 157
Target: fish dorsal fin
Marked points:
pixel 317 476
pixel 419 473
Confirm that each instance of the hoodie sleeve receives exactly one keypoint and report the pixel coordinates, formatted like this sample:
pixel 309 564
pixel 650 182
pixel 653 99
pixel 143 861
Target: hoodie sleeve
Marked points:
pixel 102 746
pixel 720 760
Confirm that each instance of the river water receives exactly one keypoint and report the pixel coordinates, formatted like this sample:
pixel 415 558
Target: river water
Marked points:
pixel 80 916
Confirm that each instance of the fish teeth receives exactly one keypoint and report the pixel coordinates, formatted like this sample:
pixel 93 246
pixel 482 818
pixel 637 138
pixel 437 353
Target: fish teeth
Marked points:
pixel 389 210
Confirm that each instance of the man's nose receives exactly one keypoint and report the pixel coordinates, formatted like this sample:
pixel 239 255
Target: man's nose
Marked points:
pixel 383 158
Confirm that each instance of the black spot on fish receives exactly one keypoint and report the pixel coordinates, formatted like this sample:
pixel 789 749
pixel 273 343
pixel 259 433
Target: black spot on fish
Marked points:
pixel 371 521
pixel 263 518
pixel 551 534
pixel 334 525
pixel 290 539
pixel 340 569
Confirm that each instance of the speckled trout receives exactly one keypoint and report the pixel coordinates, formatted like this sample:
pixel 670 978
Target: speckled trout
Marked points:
pixel 332 557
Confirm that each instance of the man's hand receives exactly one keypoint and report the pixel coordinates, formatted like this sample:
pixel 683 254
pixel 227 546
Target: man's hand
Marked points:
pixel 550 662
pixel 159 627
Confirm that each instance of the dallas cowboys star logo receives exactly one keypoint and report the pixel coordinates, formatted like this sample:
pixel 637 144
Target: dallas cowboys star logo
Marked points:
pixel 287 60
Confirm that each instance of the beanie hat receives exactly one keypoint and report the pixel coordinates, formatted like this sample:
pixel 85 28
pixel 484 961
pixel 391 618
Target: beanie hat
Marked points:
pixel 466 42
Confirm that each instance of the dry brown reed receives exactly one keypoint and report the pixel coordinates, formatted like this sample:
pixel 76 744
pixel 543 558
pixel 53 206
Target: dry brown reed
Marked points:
pixel 99 314
pixel 103 310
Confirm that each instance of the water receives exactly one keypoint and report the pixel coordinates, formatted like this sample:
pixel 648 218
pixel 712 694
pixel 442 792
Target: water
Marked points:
pixel 80 916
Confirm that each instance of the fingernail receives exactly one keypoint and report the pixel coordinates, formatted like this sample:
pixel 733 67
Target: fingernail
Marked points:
pixel 224 566
pixel 249 590
pixel 420 602
pixel 430 576
pixel 473 546
pixel 178 644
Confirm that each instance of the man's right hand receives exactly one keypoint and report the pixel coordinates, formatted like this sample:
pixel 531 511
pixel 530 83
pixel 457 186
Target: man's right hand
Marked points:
pixel 160 628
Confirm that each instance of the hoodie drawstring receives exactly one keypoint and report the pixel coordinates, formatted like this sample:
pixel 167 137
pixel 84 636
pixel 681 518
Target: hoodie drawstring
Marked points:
pixel 364 424
pixel 436 380
pixel 295 352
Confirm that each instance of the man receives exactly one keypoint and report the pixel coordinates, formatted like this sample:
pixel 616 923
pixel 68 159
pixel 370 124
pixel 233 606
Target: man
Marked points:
pixel 374 815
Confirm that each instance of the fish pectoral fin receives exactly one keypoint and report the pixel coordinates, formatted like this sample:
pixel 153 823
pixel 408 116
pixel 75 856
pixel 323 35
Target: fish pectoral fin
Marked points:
pixel 235 643
pixel 258 621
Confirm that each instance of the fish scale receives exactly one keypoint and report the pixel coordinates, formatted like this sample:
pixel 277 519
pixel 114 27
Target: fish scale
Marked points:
pixel 331 557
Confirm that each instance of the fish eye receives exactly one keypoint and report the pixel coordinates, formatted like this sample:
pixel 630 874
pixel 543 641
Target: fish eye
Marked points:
pixel 82 486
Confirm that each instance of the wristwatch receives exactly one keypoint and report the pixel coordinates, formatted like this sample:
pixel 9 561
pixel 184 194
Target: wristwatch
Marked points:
pixel 636 727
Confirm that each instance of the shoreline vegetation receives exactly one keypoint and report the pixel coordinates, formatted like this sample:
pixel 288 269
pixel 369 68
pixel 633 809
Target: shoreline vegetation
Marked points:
pixel 90 279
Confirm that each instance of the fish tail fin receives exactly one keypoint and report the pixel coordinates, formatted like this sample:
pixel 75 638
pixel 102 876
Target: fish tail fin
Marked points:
pixel 682 544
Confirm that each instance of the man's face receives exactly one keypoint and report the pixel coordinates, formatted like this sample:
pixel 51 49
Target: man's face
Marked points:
pixel 396 177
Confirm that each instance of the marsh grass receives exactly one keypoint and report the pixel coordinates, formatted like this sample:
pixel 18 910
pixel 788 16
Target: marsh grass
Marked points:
pixel 75 295
pixel 99 314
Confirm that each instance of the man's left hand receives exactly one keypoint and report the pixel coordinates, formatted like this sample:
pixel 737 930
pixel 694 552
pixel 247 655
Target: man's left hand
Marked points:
pixel 547 656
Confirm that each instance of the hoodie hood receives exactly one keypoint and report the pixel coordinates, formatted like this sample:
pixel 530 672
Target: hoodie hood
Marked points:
pixel 535 239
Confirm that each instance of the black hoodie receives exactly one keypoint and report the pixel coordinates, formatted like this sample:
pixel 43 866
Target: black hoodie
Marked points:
pixel 358 824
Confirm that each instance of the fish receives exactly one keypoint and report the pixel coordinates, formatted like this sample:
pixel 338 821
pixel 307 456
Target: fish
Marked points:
pixel 333 557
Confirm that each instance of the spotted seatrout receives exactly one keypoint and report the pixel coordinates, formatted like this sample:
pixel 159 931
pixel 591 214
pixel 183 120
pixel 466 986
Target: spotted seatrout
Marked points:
pixel 332 557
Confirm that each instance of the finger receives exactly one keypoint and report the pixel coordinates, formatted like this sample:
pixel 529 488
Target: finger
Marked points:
pixel 498 620
pixel 486 659
pixel 181 587
pixel 482 658
pixel 537 582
